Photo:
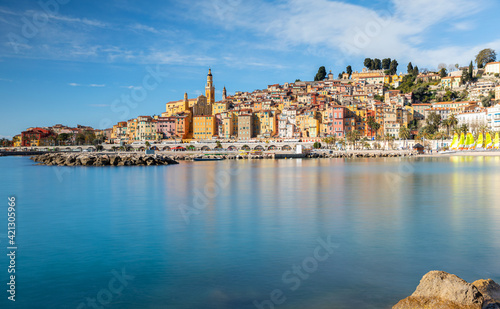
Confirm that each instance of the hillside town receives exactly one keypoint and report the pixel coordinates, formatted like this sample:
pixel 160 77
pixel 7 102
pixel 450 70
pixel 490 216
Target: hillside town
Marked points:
pixel 376 103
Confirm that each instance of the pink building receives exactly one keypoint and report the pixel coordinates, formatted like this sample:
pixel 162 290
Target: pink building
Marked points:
pixel 166 126
pixel 338 115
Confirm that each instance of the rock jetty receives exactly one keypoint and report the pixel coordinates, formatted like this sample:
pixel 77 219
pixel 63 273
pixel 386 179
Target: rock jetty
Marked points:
pixel 440 290
pixel 337 154
pixel 64 159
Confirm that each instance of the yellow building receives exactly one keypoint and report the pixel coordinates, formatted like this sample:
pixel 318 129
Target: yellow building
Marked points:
pixel 16 141
pixel 220 107
pixel 176 107
pixel 132 130
pixel 266 123
pixel 312 126
pixel 229 124
pixel 119 131
pixel 204 127
pixel 146 128
pixel 393 80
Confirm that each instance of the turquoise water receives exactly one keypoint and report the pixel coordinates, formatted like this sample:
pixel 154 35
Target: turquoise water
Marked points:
pixel 389 222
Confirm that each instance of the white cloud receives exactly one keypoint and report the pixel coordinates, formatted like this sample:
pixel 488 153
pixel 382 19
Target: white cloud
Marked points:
pixel 84 21
pixel 90 85
pixel 463 26
pixel 323 26
pixel 141 27
pixel 5 80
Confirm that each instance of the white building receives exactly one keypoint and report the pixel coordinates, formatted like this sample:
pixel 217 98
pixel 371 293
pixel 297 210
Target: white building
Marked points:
pixel 474 119
pixel 493 117
pixel 287 123
pixel 481 89
pixel 492 68
pixel 392 128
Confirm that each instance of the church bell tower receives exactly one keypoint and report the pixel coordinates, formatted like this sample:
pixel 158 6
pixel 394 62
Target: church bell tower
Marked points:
pixel 209 89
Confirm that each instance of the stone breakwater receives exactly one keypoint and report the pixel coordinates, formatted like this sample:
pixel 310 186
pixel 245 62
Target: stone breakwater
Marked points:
pixel 190 157
pixel 440 290
pixel 64 159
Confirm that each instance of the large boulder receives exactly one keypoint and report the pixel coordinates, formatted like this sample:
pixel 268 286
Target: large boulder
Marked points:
pixel 491 293
pixel 441 290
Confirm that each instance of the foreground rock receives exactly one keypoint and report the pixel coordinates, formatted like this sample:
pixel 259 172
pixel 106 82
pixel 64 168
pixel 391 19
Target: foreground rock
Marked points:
pixel 440 290
pixel 491 293
pixel 64 159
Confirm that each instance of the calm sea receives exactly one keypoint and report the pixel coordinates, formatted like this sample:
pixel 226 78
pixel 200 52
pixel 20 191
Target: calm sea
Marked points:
pixel 247 234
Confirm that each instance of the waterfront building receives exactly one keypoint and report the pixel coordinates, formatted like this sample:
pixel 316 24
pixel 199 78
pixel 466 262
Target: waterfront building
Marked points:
pixel 204 127
pixel 119 132
pixel 493 118
pixel 37 137
pixel 474 117
pixel 146 128
pixel 165 127
pixel 132 130
pixel 245 125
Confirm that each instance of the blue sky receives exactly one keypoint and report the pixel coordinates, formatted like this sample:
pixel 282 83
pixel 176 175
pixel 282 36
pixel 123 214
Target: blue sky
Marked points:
pixel 74 62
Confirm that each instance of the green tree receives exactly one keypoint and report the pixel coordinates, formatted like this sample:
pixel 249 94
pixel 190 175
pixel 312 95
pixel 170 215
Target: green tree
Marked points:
pixel 317 145
pixel 404 133
pixel 386 63
pixel 80 139
pixel 393 68
pixel 368 63
pixel 485 56
pixel 453 121
pixel 353 136
pixel 486 101
pixel 433 123
pixel 410 68
pixel 377 64
pixel 471 71
pixel 349 70
pixel 321 74
pixel 415 71
pixel 219 145
pixel 443 73
pixel 373 125
pixel 465 75
pixel 297 80
pixel 331 140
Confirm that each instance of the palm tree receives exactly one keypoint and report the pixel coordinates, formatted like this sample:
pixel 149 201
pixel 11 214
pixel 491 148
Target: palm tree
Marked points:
pixel 373 125
pixel 452 121
pixel 330 140
pixel 353 136
pixel 404 133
